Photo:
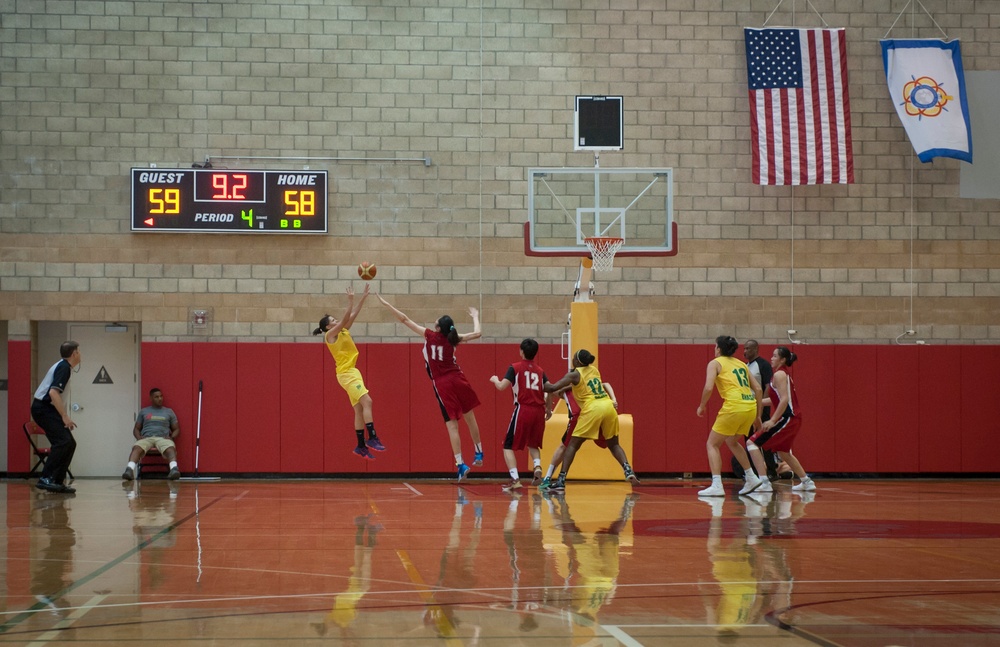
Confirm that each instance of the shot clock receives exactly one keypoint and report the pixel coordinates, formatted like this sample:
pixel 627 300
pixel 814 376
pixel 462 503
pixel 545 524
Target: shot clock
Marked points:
pixel 229 201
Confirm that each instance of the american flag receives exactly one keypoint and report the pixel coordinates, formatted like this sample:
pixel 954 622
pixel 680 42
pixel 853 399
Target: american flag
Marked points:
pixel 800 116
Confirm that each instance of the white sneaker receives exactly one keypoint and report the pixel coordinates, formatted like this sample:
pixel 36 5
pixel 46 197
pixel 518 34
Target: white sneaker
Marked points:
pixel 713 490
pixel 806 485
pixel 752 483
pixel 765 487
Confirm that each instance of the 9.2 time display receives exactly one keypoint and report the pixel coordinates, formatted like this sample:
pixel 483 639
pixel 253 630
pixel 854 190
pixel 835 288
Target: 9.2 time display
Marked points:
pixel 229 201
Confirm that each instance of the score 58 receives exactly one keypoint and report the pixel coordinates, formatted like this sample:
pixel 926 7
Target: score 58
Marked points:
pixel 300 203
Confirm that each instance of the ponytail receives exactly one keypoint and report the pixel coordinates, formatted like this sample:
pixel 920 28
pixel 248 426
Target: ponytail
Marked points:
pixel 447 327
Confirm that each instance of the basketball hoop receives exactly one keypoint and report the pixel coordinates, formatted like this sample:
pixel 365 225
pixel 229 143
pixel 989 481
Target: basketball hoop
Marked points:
pixel 602 250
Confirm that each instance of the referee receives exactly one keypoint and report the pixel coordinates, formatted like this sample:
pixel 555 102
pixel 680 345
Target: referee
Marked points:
pixel 49 412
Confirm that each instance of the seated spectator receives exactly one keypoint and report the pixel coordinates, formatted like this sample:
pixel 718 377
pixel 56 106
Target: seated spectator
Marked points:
pixel 155 426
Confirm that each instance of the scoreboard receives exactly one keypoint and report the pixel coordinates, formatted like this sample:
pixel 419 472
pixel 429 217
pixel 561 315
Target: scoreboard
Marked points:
pixel 229 201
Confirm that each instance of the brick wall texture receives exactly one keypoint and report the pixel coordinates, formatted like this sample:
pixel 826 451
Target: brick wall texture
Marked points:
pixel 368 88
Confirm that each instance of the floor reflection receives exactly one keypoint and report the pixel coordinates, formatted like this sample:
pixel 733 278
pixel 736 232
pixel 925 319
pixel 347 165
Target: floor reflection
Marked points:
pixel 52 543
pixel 431 563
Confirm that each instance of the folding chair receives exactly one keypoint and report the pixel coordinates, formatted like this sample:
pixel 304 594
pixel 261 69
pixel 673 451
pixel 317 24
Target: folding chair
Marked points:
pixel 41 453
pixel 156 462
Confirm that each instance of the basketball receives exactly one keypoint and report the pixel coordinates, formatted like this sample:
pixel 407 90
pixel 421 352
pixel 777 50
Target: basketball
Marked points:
pixel 367 270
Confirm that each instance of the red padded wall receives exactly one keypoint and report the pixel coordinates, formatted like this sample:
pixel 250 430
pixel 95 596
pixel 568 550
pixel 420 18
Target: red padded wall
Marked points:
pixel 685 433
pixel 19 396
pixel 977 428
pixel 848 397
pixel 642 394
pixel 277 408
pixel 258 407
pixel 168 367
pixel 897 414
pixel 302 433
pixel 214 366
pixel 939 398
pixel 387 378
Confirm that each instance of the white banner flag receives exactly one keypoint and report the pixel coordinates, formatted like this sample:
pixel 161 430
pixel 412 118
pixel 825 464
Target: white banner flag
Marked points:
pixel 927 86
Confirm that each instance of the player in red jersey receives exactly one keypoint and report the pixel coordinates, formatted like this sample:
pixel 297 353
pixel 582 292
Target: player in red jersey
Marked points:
pixel 527 424
pixel 455 395
pixel 778 433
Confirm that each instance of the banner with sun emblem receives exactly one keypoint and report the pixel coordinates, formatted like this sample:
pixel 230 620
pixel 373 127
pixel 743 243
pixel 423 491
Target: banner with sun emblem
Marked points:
pixel 927 86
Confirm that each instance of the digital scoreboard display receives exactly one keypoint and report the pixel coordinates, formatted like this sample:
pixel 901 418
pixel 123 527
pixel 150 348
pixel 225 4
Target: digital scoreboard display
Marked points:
pixel 229 201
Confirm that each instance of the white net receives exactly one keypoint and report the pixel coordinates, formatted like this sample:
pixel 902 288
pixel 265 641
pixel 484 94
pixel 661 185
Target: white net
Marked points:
pixel 602 251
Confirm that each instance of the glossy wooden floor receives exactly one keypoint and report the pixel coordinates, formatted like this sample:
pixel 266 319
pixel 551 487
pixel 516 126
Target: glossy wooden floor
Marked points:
pixel 865 563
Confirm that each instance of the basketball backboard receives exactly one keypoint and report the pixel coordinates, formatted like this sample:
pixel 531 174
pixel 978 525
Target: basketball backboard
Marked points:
pixel 567 205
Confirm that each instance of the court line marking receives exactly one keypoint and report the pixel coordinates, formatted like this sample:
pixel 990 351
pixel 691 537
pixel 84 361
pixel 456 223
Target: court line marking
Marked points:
pixel 410 487
pixel 67 622
pixel 621 636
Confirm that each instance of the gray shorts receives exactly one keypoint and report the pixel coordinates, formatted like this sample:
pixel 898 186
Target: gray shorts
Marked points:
pixel 161 444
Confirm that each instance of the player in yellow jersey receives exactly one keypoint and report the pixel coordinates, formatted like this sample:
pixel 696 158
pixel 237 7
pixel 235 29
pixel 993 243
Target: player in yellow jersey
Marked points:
pixel 337 335
pixel 598 414
pixel 741 402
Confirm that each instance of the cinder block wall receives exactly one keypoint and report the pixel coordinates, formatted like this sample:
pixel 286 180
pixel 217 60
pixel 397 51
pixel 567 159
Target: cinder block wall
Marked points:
pixel 93 88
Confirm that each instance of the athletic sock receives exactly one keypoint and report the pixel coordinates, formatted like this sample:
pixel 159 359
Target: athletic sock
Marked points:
pixel 478 448
pixel 513 474
pixel 552 470
pixel 360 433
pixel 459 460
pixel 173 465
pixel 370 426
pixel 538 463
pixel 131 465
pixel 717 480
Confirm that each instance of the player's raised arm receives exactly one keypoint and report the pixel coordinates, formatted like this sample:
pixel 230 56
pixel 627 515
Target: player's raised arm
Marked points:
pixel 399 314
pixel 333 331
pixel 477 331
pixel 349 320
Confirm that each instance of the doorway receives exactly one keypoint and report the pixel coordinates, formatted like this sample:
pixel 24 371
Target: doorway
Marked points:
pixel 103 398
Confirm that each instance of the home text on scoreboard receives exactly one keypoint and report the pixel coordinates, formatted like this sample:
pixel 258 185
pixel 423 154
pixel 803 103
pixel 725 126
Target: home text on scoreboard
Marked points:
pixel 229 201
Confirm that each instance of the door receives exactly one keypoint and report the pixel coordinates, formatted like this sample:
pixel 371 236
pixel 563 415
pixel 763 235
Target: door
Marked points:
pixel 103 397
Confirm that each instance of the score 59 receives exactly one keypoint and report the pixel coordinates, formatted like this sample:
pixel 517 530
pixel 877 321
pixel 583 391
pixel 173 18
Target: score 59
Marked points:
pixel 164 201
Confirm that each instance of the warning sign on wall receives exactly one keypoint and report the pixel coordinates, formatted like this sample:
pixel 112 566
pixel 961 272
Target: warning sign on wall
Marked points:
pixel 103 377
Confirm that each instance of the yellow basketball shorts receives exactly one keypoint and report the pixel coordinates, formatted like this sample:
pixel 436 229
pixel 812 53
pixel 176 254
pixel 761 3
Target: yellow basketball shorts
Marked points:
pixel 353 383
pixel 600 418
pixel 734 422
